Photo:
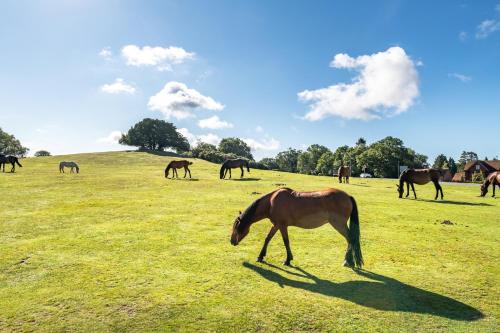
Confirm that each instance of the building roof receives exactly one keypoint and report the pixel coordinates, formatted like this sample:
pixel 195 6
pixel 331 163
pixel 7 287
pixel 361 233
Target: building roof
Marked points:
pixel 493 165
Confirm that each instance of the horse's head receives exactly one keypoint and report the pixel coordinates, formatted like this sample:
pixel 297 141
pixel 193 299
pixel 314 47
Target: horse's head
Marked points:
pixel 400 190
pixel 190 163
pixel 240 230
pixel 484 190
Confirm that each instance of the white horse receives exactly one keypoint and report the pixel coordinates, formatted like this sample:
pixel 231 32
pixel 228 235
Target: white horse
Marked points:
pixel 68 164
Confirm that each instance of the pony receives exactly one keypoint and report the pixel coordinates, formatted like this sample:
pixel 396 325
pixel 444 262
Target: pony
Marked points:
pixel 69 164
pixel 493 179
pixel 286 208
pixel 345 172
pixel 420 177
pixel 174 165
pixel 9 159
pixel 232 164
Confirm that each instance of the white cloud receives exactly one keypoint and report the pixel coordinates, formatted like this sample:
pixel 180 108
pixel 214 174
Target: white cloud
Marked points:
pixel 259 129
pixel 106 53
pixel 486 28
pixel 117 87
pixel 387 82
pixel 161 57
pixel 265 144
pixel 178 101
pixel 214 123
pixel 461 77
pixel 497 7
pixel 112 137
pixel 195 139
pixel 462 36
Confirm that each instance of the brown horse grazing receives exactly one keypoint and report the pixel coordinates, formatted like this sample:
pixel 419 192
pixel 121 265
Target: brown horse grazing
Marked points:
pixel 286 208
pixel 9 159
pixel 493 179
pixel 344 172
pixel 420 177
pixel 233 164
pixel 177 165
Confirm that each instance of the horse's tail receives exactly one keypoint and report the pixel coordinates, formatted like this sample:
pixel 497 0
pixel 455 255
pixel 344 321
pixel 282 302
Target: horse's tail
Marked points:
pixel 17 162
pixel 222 169
pixel 354 236
pixel 167 169
pixel 248 167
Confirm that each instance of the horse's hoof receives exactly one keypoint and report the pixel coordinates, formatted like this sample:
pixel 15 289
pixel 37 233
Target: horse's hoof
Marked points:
pixel 260 259
pixel 286 263
pixel 346 264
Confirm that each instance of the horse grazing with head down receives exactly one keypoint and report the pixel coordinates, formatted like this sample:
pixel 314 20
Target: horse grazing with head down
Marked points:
pixel 288 208
pixel 344 172
pixel 69 164
pixel 174 165
pixel 493 179
pixel 233 164
pixel 9 159
pixel 420 177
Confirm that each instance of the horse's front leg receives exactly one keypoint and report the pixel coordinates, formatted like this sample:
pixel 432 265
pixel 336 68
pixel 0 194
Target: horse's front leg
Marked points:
pixel 289 255
pixel 242 172
pixel 189 173
pixel 413 189
pixel 185 172
pixel 494 185
pixel 269 236
pixel 407 189
pixel 436 185
pixel 230 175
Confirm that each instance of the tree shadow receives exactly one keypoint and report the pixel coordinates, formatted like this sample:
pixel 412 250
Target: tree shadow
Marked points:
pixel 244 179
pixel 383 293
pixel 155 152
pixel 462 203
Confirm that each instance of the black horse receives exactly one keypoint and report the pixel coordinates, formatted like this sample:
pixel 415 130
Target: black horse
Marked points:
pixel 9 159
pixel 232 164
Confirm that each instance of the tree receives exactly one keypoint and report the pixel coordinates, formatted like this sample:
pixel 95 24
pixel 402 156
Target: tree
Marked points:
pixel 270 163
pixel 41 153
pixel 235 146
pixel 9 145
pixel 465 157
pixel 155 134
pixel 361 142
pixel 439 161
pixel 305 163
pixel 452 166
pixel 287 160
pixel 203 147
pixel 325 165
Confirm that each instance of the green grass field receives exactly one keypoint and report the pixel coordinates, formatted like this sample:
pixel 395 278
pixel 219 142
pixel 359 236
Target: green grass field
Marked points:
pixel 120 248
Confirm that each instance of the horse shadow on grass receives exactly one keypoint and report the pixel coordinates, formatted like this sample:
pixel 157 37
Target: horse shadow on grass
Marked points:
pixel 245 179
pixel 461 203
pixel 185 179
pixel 382 293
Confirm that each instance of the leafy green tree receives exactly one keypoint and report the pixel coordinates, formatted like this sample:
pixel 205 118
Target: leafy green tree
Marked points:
pixel 440 161
pixel 287 160
pixel 465 157
pixel 41 153
pixel 203 147
pixel 305 163
pixel 270 163
pixel 235 146
pixel 325 165
pixel 155 134
pixel 452 165
pixel 9 145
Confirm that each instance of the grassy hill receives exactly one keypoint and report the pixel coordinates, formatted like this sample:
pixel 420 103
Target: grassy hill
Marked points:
pixel 120 248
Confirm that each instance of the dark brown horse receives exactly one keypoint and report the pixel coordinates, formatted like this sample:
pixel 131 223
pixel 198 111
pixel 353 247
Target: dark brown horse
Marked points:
pixel 9 159
pixel 344 172
pixel 420 177
pixel 233 164
pixel 286 208
pixel 493 179
pixel 174 165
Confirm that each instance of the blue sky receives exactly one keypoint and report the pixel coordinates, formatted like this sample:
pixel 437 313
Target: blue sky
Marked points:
pixel 279 74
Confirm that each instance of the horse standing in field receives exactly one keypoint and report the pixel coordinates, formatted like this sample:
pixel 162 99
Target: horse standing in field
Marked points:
pixel 9 159
pixel 420 177
pixel 344 172
pixel 493 179
pixel 69 164
pixel 232 164
pixel 174 165
pixel 286 208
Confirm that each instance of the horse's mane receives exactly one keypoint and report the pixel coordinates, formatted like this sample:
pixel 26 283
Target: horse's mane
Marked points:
pixel 247 215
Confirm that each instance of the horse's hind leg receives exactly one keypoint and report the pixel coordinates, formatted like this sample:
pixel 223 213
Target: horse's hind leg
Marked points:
pixel 437 186
pixel 289 255
pixel 269 236
pixel 242 172
pixel 230 175
pixel 494 185
pixel 344 231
